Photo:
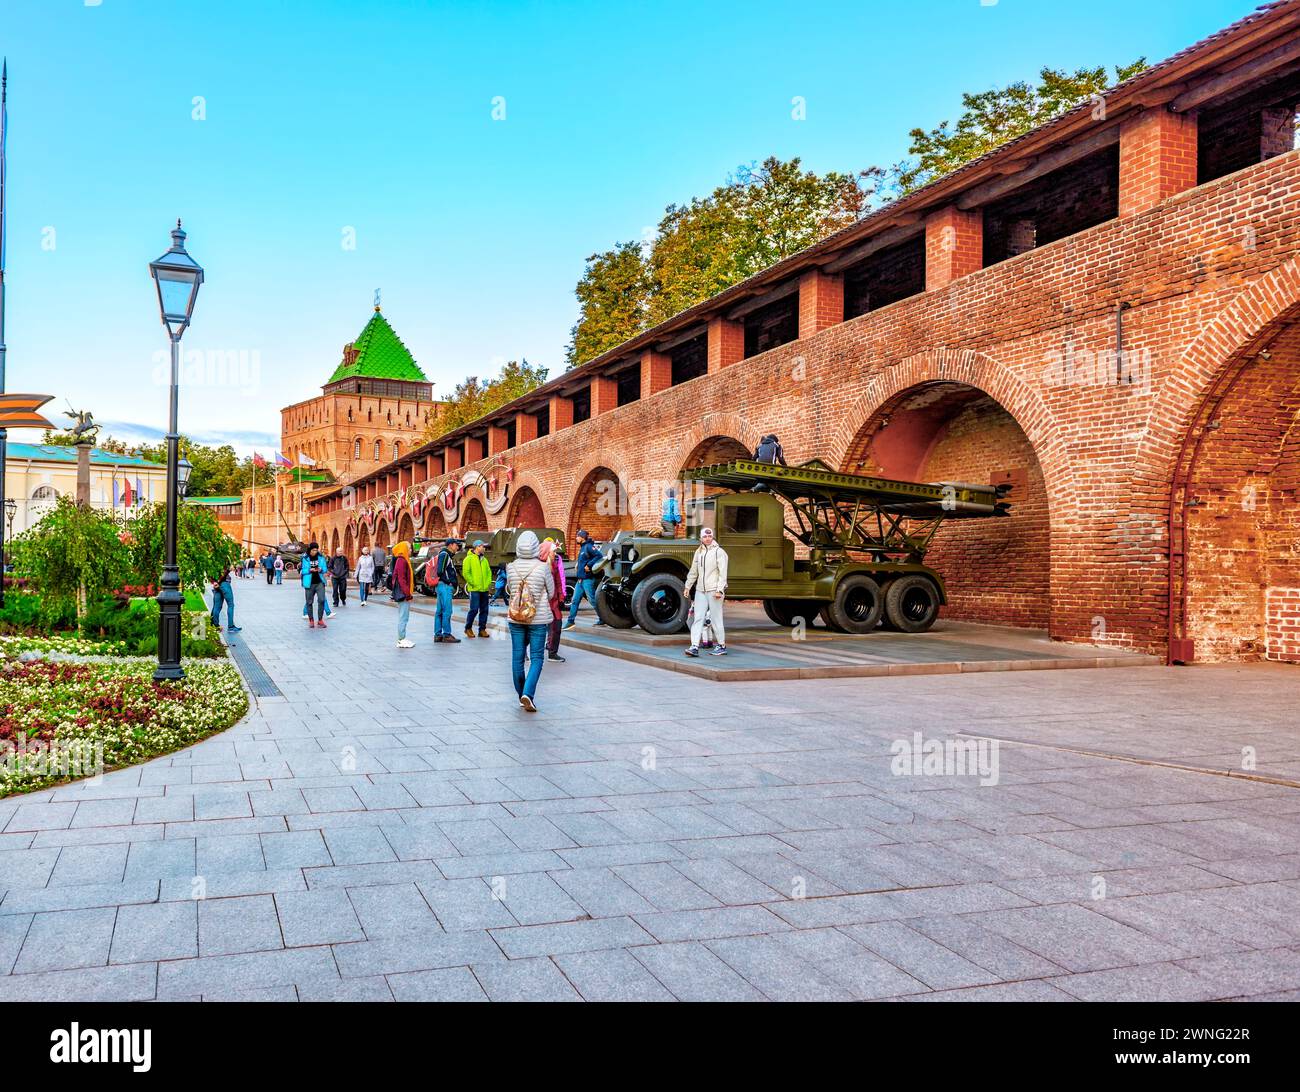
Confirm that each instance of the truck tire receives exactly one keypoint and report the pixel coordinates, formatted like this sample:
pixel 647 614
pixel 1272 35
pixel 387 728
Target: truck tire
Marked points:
pixel 857 605
pixel 659 604
pixel 784 611
pixel 825 615
pixel 613 608
pixel 912 603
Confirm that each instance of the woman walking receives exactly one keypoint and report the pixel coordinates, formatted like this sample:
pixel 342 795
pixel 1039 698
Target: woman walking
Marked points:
pixel 530 586
pixel 315 570
pixel 550 553
pixel 279 569
pixel 401 582
pixel 365 573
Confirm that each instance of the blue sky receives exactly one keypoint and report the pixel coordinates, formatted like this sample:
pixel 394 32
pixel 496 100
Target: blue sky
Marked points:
pixel 328 116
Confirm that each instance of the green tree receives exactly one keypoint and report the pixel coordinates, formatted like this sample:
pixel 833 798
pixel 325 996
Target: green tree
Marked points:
pixel 473 398
pixel 203 550
pixel 760 215
pixel 613 299
pixel 74 555
pixel 991 118
pixel 66 439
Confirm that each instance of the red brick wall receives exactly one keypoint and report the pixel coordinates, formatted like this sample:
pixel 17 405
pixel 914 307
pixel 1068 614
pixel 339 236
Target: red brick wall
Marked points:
pixel 1203 271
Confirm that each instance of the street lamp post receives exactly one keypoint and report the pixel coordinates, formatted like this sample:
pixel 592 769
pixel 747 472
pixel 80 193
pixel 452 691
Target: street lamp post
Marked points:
pixel 11 510
pixel 177 277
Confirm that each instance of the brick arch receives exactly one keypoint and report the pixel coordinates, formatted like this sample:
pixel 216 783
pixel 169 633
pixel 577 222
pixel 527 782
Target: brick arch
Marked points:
pixel 435 523
pixel 473 517
pixel 1273 297
pixel 405 528
pixel 711 426
pixel 583 499
pixel 525 509
pixel 973 369
pixel 527 482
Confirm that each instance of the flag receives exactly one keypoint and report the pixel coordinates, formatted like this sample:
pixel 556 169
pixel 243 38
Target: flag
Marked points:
pixel 138 490
pixel 258 461
pixel 114 490
pixel 306 460
pixel 281 460
pixel 128 498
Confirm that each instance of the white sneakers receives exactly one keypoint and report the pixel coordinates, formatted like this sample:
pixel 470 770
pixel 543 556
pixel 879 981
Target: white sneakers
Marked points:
pixel 404 643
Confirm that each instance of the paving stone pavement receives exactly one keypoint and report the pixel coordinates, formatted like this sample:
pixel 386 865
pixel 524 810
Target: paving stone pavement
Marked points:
pixel 395 827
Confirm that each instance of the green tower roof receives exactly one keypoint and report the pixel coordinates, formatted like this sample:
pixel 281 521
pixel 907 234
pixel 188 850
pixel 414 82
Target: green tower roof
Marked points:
pixel 378 353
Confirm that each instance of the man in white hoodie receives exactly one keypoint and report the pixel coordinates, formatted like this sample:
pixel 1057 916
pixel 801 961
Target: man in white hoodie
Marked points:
pixel 708 577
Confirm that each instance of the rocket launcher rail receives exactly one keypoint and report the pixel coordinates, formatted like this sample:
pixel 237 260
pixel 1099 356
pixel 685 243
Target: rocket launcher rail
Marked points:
pixel 857 513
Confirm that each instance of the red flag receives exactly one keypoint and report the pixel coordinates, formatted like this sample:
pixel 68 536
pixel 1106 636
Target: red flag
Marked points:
pixel 128 498
pixel 258 461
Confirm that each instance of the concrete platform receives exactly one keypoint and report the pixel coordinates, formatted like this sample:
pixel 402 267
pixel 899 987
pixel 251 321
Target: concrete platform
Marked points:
pixel 758 650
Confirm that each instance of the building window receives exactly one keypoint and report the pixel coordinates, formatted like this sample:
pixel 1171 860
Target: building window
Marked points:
pixel 356 451
pixel 397 449
pixel 581 402
pixel 377 455
pixel 773 325
pixel 691 360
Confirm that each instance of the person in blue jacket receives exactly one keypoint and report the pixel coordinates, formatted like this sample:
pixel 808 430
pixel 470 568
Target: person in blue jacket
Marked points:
pixel 585 580
pixel 315 579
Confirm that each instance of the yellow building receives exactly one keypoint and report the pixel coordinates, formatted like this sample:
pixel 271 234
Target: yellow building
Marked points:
pixel 37 474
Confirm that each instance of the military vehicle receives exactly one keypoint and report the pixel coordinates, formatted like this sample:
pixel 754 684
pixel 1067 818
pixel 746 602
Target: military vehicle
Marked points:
pixel 500 552
pixel 292 551
pixel 863 542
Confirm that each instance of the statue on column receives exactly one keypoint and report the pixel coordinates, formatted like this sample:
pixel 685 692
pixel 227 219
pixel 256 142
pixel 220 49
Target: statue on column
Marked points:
pixel 85 431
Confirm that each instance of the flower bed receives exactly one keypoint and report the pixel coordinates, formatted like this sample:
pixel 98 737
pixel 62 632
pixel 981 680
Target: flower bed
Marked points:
pixel 62 721
pixel 15 644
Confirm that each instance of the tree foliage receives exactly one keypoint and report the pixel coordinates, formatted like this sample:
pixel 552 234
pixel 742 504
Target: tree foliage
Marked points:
pixel 73 555
pixel 760 215
pixel 473 398
pixel 203 550
pixel 991 118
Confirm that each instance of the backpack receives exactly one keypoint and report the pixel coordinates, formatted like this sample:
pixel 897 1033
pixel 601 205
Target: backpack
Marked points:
pixel 522 608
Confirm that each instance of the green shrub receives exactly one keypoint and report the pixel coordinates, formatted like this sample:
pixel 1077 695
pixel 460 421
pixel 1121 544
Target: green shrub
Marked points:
pixel 137 626
pixel 26 613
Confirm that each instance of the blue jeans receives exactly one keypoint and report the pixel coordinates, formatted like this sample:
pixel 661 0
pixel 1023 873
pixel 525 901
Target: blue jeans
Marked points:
pixel 223 592
pixel 279 576
pixel 478 606
pixel 442 617
pixel 363 589
pixel 534 638
pixel 403 616
pixel 585 586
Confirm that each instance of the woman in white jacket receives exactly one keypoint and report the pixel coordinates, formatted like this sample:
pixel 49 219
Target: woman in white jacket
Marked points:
pixel 708 576
pixel 365 573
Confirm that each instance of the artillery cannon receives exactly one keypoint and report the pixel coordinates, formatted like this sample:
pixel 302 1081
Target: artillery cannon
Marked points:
pixel 864 540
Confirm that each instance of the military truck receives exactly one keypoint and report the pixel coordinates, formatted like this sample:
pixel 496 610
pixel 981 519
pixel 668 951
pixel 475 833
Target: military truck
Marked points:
pixel 863 539
pixel 500 552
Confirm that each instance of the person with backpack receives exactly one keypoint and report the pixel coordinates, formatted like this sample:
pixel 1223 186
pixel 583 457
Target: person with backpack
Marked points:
pixel 708 576
pixel 365 573
pixel 403 581
pixel 446 572
pixel 279 569
pixel 769 451
pixel 670 516
pixel 549 552
pixel 339 569
pixel 479 581
pixel 585 579
pixel 268 565
pixel 315 568
pixel 530 586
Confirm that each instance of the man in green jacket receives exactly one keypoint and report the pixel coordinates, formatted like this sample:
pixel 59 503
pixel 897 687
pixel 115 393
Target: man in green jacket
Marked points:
pixel 478 582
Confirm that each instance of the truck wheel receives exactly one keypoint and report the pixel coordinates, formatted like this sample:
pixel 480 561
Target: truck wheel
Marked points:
pixel 659 604
pixel 857 605
pixel 825 615
pixel 613 608
pixel 784 611
pixel 912 603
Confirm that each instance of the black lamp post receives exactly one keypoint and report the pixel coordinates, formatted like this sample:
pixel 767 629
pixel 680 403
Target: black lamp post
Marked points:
pixel 177 277
pixel 11 510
